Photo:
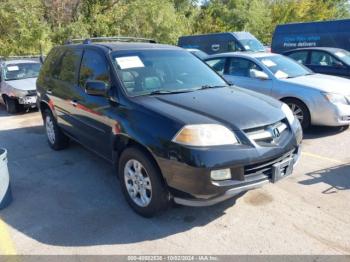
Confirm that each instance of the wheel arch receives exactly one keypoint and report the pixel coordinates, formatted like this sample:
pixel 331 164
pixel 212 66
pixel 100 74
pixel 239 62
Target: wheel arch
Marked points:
pixel 285 99
pixel 3 96
pixel 122 142
pixel 45 105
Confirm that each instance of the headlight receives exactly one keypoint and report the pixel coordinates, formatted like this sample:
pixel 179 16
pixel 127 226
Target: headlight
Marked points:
pixel 288 112
pixel 205 135
pixel 335 98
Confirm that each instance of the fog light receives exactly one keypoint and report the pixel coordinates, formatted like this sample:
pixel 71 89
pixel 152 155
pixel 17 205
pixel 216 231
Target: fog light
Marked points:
pixel 222 174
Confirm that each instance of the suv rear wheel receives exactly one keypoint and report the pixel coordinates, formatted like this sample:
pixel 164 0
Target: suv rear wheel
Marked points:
pixel 141 183
pixel 55 137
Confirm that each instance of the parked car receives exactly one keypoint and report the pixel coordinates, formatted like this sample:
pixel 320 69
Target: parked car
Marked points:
pixel 314 98
pixel 172 126
pixel 311 34
pixel 323 60
pixel 222 42
pixel 17 84
pixel 198 53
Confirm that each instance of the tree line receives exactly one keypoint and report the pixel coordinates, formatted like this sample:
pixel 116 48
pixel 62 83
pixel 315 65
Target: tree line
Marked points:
pixel 27 25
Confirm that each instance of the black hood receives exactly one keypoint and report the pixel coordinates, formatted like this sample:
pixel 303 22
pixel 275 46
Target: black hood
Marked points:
pixel 234 107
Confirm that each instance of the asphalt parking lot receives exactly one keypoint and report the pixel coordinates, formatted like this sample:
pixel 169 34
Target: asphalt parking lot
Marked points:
pixel 69 202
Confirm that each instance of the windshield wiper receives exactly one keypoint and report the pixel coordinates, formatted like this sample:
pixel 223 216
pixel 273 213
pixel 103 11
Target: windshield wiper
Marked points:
pixel 166 92
pixel 209 86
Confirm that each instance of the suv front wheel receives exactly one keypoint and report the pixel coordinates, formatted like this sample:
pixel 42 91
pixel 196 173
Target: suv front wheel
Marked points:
pixel 141 183
pixel 55 137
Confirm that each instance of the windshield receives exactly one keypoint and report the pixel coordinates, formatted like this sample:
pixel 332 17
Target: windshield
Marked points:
pixel 252 45
pixel 283 67
pixel 150 71
pixel 21 71
pixel 343 56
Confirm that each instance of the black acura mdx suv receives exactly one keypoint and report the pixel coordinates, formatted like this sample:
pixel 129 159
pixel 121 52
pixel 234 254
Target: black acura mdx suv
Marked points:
pixel 175 130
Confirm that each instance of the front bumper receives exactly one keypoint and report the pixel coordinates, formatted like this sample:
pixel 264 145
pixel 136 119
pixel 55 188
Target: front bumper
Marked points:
pixel 187 170
pixel 328 114
pixel 262 174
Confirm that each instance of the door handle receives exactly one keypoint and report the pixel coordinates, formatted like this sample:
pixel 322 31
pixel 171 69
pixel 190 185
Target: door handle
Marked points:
pixel 74 103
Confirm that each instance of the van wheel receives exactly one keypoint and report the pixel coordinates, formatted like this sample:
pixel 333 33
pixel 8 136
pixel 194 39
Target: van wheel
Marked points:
pixel 12 105
pixel 300 111
pixel 141 183
pixel 55 137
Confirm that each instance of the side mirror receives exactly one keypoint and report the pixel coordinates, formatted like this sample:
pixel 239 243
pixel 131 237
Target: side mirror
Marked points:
pixel 96 88
pixel 258 74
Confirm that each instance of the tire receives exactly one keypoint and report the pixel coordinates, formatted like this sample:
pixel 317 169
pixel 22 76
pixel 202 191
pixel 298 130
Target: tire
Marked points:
pixel 55 137
pixel 300 111
pixel 146 182
pixel 12 106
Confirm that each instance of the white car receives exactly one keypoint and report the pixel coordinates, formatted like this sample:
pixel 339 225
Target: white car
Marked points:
pixel 17 84
pixel 314 98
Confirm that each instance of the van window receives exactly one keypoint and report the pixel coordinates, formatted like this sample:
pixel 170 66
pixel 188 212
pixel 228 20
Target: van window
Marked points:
pixel 321 58
pixel 93 67
pixel 252 45
pixel 300 57
pixel 217 64
pixel 233 46
pixel 242 67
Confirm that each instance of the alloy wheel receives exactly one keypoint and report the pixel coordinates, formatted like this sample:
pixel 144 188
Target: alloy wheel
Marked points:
pixel 138 183
pixel 297 111
pixel 50 130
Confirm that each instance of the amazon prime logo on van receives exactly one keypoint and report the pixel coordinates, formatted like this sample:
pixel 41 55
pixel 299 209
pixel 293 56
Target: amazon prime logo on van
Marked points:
pixel 215 47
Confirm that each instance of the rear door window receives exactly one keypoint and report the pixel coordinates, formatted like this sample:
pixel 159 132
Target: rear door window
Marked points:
pixel 300 57
pixel 242 67
pixel 69 64
pixel 94 67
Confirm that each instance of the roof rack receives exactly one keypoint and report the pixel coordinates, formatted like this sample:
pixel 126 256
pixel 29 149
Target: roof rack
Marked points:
pixel 110 39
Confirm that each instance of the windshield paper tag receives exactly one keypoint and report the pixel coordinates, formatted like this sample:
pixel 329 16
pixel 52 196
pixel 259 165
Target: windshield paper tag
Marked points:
pixel 12 68
pixel 129 62
pixel 281 74
pixel 268 62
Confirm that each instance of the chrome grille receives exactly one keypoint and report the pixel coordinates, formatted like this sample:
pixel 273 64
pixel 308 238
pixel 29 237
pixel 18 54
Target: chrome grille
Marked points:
pixel 267 134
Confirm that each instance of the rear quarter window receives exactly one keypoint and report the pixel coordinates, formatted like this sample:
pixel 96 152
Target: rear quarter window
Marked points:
pixel 50 62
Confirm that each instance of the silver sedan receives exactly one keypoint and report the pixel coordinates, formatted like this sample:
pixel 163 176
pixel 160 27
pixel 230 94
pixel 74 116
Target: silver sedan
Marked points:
pixel 314 98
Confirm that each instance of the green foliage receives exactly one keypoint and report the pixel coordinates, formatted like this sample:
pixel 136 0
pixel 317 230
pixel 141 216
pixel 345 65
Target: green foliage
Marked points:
pixel 22 27
pixel 25 25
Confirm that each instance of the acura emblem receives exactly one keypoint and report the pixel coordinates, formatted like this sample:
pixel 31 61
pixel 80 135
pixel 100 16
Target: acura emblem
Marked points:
pixel 275 133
